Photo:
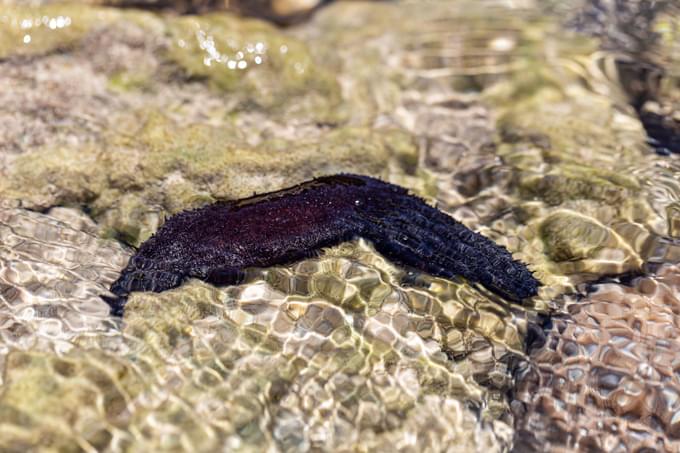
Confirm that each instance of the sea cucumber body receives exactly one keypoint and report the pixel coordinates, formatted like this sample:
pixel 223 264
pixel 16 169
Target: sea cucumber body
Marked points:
pixel 215 243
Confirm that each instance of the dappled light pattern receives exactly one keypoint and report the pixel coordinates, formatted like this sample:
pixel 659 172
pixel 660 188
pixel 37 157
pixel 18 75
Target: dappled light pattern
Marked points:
pixel 52 272
pixel 607 377
pixel 327 353
pixel 490 110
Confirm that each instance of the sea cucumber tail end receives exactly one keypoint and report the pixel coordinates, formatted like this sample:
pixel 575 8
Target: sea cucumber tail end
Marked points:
pixel 117 304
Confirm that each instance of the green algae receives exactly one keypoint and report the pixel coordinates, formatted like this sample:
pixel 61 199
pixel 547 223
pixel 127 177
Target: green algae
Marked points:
pixel 126 81
pixel 573 151
pixel 73 401
pixel 246 347
pixel 131 185
pixel 252 60
pixel 569 181
pixel 569 236
pixel 30 31
pixel 343 346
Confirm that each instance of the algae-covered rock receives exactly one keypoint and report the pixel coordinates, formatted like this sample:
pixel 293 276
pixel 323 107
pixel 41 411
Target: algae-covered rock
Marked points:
pixel 131 185
pixel 97 142
pixel 245 366
pixel 333 334
pixel 65 403
pixel 251 60
pixel 571 182
pixel 28 31
pixel 136 116
pixel 605 379
pixel 582 244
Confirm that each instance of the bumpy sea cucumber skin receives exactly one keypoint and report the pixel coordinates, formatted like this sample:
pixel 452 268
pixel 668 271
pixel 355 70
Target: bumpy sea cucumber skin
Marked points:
pixel 215 243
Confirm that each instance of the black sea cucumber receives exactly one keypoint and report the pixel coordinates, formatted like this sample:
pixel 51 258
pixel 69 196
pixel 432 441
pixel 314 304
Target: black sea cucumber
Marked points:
pixel 216 242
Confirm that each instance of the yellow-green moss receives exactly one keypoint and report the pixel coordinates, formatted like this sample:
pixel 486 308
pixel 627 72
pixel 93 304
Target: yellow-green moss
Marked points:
pixel 134 181
pixel 572 182
pixel 212 47
pixel 125 81
pixel 26 31
pixel 46 399
pixel 570 237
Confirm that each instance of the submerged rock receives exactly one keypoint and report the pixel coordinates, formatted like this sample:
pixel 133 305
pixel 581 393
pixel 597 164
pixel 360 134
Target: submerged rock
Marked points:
pixel 516 128
pixel 573 182
pixel 67 403
pixel 52 269
pixel 254 363
pixel 606 379
pixel 582 168
pixel 579 244
pixel 324 354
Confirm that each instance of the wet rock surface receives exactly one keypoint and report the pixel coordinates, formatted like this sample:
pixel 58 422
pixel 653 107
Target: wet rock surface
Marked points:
pixel 52 271
pixel 606 379
pixel 330 353
pixel 281 12
pixel 117 117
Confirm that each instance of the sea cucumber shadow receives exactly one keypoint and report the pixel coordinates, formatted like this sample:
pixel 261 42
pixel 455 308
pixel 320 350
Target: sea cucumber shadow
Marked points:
pixel 217 242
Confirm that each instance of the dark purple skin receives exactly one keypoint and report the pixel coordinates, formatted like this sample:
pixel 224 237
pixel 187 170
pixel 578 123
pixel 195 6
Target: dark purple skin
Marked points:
pixel 217 242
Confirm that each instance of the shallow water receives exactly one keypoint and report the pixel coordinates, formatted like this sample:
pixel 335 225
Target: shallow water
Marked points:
pixel 518 118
